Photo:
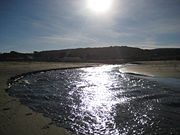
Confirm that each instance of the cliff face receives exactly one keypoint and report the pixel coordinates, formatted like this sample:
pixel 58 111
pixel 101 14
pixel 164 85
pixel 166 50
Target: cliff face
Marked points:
pixel 106 54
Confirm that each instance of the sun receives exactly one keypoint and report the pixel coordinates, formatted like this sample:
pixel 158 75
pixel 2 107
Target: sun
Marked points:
pixel 99 6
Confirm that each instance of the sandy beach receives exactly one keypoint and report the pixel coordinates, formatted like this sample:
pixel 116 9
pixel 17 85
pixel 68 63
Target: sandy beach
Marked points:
pixel 17 119
pixel 170 69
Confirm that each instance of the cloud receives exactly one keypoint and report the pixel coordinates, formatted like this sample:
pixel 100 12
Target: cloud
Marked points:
pixel 68 38
pixel 166 26
pixel 151 44
pixel 140 22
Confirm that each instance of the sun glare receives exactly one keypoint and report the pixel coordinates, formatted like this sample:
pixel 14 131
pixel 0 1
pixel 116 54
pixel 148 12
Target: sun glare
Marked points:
pixel 99 6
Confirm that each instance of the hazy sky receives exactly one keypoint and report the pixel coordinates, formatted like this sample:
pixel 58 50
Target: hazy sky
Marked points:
pixel 34 25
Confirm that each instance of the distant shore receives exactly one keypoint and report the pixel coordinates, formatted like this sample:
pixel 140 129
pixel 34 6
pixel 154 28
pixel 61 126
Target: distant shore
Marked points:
pixel 17 119
pixel 170 69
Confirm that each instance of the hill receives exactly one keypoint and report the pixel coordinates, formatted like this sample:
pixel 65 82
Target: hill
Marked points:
pixel 116 54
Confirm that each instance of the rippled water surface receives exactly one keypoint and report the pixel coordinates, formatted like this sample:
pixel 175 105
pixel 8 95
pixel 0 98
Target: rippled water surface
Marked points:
pixel 102 101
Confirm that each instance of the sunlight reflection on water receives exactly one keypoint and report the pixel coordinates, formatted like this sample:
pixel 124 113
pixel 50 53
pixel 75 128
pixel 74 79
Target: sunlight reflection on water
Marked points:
pixel 101 101
pixel 98 99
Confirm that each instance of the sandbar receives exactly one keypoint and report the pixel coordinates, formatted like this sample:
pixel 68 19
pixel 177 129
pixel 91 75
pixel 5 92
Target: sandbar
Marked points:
pixel 168 69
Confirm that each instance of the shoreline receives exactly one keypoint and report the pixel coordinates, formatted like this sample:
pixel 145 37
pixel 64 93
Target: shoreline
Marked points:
pixel 18 119
pixel 19 76
pixel 167 69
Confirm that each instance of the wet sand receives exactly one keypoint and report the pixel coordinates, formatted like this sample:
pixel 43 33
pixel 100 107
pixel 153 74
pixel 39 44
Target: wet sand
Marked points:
pixel 170 69
pixel 17 119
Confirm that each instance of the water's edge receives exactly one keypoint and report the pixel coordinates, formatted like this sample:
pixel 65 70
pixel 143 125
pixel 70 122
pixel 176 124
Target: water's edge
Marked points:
pixel 15 79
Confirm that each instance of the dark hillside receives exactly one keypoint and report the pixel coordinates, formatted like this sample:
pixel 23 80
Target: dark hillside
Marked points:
pixel 117 54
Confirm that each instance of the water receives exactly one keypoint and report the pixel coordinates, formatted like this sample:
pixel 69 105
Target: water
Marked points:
pixel 103 101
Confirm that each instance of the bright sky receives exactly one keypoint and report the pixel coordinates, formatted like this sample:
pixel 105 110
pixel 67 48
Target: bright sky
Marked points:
pixel 34 25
